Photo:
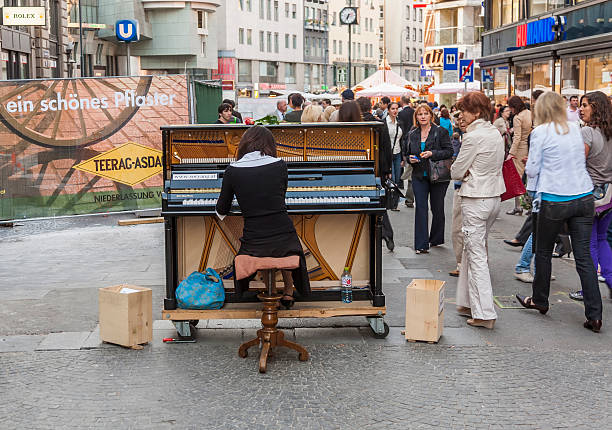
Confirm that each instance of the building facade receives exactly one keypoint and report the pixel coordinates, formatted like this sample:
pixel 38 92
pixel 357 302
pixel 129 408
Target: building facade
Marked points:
pixel 364 41
pixel 316 44
pixel 261 45
pixel 402 29
pixel 546 45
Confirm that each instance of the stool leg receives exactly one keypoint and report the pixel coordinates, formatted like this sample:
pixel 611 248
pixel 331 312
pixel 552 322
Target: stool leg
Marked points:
pixel 281 341
pixel 263 357
pixel 243 350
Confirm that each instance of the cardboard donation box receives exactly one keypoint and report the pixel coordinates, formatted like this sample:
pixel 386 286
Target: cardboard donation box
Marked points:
pixel 424 310
pixel 126 315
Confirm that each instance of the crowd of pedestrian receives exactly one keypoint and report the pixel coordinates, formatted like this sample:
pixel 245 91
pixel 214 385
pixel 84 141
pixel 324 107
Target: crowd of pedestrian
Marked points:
pixel 426 147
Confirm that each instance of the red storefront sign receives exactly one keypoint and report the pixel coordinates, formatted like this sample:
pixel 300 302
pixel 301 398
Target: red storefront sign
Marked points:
pixel 265 87
pixel 521 35
pixel 226 69
pixel 227 85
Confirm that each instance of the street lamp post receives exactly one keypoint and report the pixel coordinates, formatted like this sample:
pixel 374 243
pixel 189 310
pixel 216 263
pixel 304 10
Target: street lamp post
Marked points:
pixel 81 41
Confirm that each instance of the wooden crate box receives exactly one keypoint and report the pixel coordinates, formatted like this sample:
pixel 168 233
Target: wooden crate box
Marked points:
pixel 424 310
pixel 125 313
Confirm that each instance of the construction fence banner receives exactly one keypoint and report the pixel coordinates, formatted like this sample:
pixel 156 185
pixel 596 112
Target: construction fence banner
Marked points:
pixel 85 145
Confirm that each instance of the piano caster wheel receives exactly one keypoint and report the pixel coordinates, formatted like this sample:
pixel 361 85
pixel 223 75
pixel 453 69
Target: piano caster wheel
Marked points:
pixel 185 330
pixel 380 329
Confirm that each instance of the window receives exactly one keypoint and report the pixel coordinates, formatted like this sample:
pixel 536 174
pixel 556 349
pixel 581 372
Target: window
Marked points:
pixel 414 34
pixel 333 19
pixel 413 54
pixel 202 19
pixel 275 11
pixel 293 11
pixel 286 10
pixel 241 36
pixel 290 73
pixel 276 42
pixel 408 12
pixel 572 68
pixel 307 46
pixel 335 46
pixel 358 50
pixel 269 10
pixel 204 46
pixel 340 47
pixel 420 55
pixel 261 41
pixel 315 73
pixel 420 15
pixel 261 9
pixel 244 71
pixel 269 40
pixel 420 35
pixel 321 47
pixel 249 37
pixel 286 41
pixel 248 5
pixel 267 69
pixel 294 41
pixel 241 5
pixel 407 34
pixel 414 15
pixel 99 49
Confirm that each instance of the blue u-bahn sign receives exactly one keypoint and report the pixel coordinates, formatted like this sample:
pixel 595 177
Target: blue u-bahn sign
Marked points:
pixel 127 30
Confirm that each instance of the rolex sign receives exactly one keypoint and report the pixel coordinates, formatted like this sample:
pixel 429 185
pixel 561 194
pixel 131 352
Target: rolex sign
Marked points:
pixel 23 16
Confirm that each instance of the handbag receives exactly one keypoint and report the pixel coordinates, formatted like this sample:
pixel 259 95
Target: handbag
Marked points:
pixel 201 291
pixel 512 180
pixel 439 171
pixel 603 196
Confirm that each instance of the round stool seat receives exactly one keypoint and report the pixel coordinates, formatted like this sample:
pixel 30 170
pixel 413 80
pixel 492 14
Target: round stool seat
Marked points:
pixel 246 265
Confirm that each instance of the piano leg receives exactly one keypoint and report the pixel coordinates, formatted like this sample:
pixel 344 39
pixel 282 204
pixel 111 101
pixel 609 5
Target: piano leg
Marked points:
pixel 378 296
pixel 171 266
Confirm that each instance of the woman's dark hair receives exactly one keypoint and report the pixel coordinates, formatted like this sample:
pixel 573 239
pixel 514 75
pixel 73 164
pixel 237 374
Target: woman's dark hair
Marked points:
pixel 257 138
pixel 601 112
pixel 444 113
pixel 224 107
pixel 536 94
pixel 364 104
pixel 476 103
pixel 349 112
pixel 393 103
pixel 516 103
pixel 230 102
pixel 385 100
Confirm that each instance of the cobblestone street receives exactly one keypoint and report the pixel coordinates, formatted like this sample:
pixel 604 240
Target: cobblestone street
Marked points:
pixel 531 372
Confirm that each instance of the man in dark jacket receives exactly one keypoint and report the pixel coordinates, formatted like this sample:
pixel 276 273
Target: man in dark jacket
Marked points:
pixel 406 115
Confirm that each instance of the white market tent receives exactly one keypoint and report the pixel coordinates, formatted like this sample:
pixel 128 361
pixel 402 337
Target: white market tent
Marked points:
pixel 386 89
pixel 382 76
pixel 454 87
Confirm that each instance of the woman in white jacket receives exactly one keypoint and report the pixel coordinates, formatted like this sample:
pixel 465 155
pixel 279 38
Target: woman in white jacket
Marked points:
pixel 479 166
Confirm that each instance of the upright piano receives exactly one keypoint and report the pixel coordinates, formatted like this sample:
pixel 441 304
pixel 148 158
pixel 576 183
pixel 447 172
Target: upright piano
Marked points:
pixel 334 198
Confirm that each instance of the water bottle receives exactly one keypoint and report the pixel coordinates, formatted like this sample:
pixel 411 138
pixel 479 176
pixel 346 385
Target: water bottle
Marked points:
pixel 347 286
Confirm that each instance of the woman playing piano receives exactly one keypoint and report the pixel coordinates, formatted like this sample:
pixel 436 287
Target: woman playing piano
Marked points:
pixel 259 181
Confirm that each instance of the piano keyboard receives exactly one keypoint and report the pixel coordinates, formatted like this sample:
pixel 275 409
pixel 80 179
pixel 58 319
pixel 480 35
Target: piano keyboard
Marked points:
pixel 290 201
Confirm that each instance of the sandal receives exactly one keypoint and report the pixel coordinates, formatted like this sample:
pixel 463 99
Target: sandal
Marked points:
pixel 422 251
pixel 527 302
pixel 288 304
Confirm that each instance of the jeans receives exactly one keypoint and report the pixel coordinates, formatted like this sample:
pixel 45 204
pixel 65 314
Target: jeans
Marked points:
pixel 396 168
pixel 525 231
pixel 474 289
pixel 579 217
pixel 600 248
pixel 436 192
pixel 524 263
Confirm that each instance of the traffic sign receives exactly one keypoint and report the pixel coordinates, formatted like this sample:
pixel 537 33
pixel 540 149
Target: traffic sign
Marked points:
pixel 127 30
pixel 451 58
pixel 487 75
pixel 466 70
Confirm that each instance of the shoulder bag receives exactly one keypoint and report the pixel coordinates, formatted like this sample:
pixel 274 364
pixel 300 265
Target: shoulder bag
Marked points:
pixel 201 291
pixel 439 171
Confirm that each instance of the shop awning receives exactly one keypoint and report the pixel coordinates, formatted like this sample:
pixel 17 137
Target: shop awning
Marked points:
pixel 454 87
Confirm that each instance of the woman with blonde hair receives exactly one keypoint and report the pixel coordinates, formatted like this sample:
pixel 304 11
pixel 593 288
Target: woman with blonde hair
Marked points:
pixel 327 112
pixel 312 113
pixel 479 168
pixel 557 146
pixel 427 142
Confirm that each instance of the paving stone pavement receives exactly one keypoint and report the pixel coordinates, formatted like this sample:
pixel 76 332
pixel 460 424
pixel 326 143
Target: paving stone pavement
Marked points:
pixel 531 372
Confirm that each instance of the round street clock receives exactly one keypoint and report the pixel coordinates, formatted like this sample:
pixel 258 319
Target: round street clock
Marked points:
pixel 348 16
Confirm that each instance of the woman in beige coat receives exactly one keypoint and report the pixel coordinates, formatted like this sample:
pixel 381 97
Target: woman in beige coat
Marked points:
pixel 522 125
pixel 479 167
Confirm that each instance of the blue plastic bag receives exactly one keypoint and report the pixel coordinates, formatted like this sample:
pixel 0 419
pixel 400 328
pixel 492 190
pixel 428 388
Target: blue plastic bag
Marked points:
pixel 201 291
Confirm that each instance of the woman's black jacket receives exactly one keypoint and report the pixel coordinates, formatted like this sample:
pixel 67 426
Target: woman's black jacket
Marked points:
pixel 437 142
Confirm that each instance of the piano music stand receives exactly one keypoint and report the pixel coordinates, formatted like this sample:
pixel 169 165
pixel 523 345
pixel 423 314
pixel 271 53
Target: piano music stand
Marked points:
pixel 269 336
